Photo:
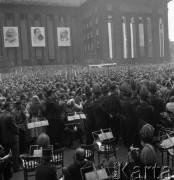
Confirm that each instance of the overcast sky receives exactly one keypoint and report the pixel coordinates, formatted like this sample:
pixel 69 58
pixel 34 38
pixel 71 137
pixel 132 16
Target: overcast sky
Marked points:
pixel 171 20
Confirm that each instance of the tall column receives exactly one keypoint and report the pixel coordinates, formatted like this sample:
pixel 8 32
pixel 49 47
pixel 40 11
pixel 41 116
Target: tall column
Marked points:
pixel 117 34
pixel 45 49
pixel 2 18
pixel 155 34
pixel 166 33
pixel 32 53
pixel 110 37
pixel 56 24
pixel 104 36
pixel 80 40
pixel 19 49
pixel 69 24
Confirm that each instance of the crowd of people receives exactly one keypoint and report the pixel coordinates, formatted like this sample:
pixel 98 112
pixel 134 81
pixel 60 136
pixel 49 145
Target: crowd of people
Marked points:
pixel 123 98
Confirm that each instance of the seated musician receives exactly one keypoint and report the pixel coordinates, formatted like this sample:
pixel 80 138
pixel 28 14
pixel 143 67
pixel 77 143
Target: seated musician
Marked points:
pixel 73 170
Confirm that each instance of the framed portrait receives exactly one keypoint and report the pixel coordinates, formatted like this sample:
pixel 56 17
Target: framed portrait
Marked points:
pixel 38 36
pixel 63 34
pixel 11 36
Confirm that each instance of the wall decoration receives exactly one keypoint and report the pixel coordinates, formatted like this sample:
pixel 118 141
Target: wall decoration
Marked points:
pixel 11 37
pixel 63 34
pixel 38 36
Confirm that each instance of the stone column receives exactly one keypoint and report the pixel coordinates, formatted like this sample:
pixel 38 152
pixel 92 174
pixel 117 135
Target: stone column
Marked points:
pixel 32 52
pixel 45 49
pixel 69 24
pixel 19 49
pixel 4 50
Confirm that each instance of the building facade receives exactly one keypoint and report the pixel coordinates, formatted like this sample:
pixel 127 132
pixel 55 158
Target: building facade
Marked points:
pixel 100 30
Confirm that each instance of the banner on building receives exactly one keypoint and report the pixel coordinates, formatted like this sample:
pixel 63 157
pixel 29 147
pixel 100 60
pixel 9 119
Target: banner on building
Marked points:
pixel 11 37
pixel 63 34
pixel 38 36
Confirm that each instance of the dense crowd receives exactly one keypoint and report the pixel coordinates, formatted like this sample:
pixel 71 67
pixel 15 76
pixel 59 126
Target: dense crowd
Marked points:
pixel 123 98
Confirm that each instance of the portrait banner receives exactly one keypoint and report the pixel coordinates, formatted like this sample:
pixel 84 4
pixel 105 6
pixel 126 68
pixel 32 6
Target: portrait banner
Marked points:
pixel 38 36
pixel 63 34
pixel 11 36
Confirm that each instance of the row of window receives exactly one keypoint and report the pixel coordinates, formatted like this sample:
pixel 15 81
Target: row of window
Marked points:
pixel 89 47
pixel 89 24
pixel 89 35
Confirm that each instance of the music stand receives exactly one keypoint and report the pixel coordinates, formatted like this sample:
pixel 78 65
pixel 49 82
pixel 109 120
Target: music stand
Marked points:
pixel 94 173
pixel 103 134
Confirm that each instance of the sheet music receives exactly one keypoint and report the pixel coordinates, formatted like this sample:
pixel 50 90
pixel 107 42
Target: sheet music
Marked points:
pixel 168 143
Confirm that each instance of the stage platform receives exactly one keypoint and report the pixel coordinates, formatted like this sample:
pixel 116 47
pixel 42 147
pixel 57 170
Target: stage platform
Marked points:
pixel 102 65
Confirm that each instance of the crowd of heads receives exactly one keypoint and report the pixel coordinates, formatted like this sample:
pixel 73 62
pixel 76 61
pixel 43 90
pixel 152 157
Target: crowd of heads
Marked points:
pixel 37 83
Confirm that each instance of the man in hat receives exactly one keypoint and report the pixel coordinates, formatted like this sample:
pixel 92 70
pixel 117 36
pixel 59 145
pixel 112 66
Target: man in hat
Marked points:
pixel 114 108
pixel 99 118
pixel 10 135
pixel 144 112
pixel 53 115
pixel 20 118
pixel 129 122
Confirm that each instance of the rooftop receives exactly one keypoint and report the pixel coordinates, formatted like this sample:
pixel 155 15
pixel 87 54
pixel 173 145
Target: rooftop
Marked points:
pixel 45 2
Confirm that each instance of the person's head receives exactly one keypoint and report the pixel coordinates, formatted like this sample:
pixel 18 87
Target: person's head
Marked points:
pixel 47 154
pixel 7 106
pixel 96 91
pixel 153 87
pixel 79 156
pixel 146 134
pixel 43 140
pixel 37 32
pixel 35 99
pixel 88 92
pixel 113 86
pixel 144 94
pixel 105 89
pixel 126 90
pixel 18 105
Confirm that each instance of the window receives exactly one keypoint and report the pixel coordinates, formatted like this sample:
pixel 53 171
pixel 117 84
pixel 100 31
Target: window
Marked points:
pixel 141 38
pixel 85 48
pixel 96 21
pixel 84 27
pixel 87 36
pixel 91 35
pixel 124 32
pixel 87 26
pixel 97 32
pixel 84 37
pixel 161 37
pixel 98 44
pixel 90 23
pixel 92 46
pixel 88 47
